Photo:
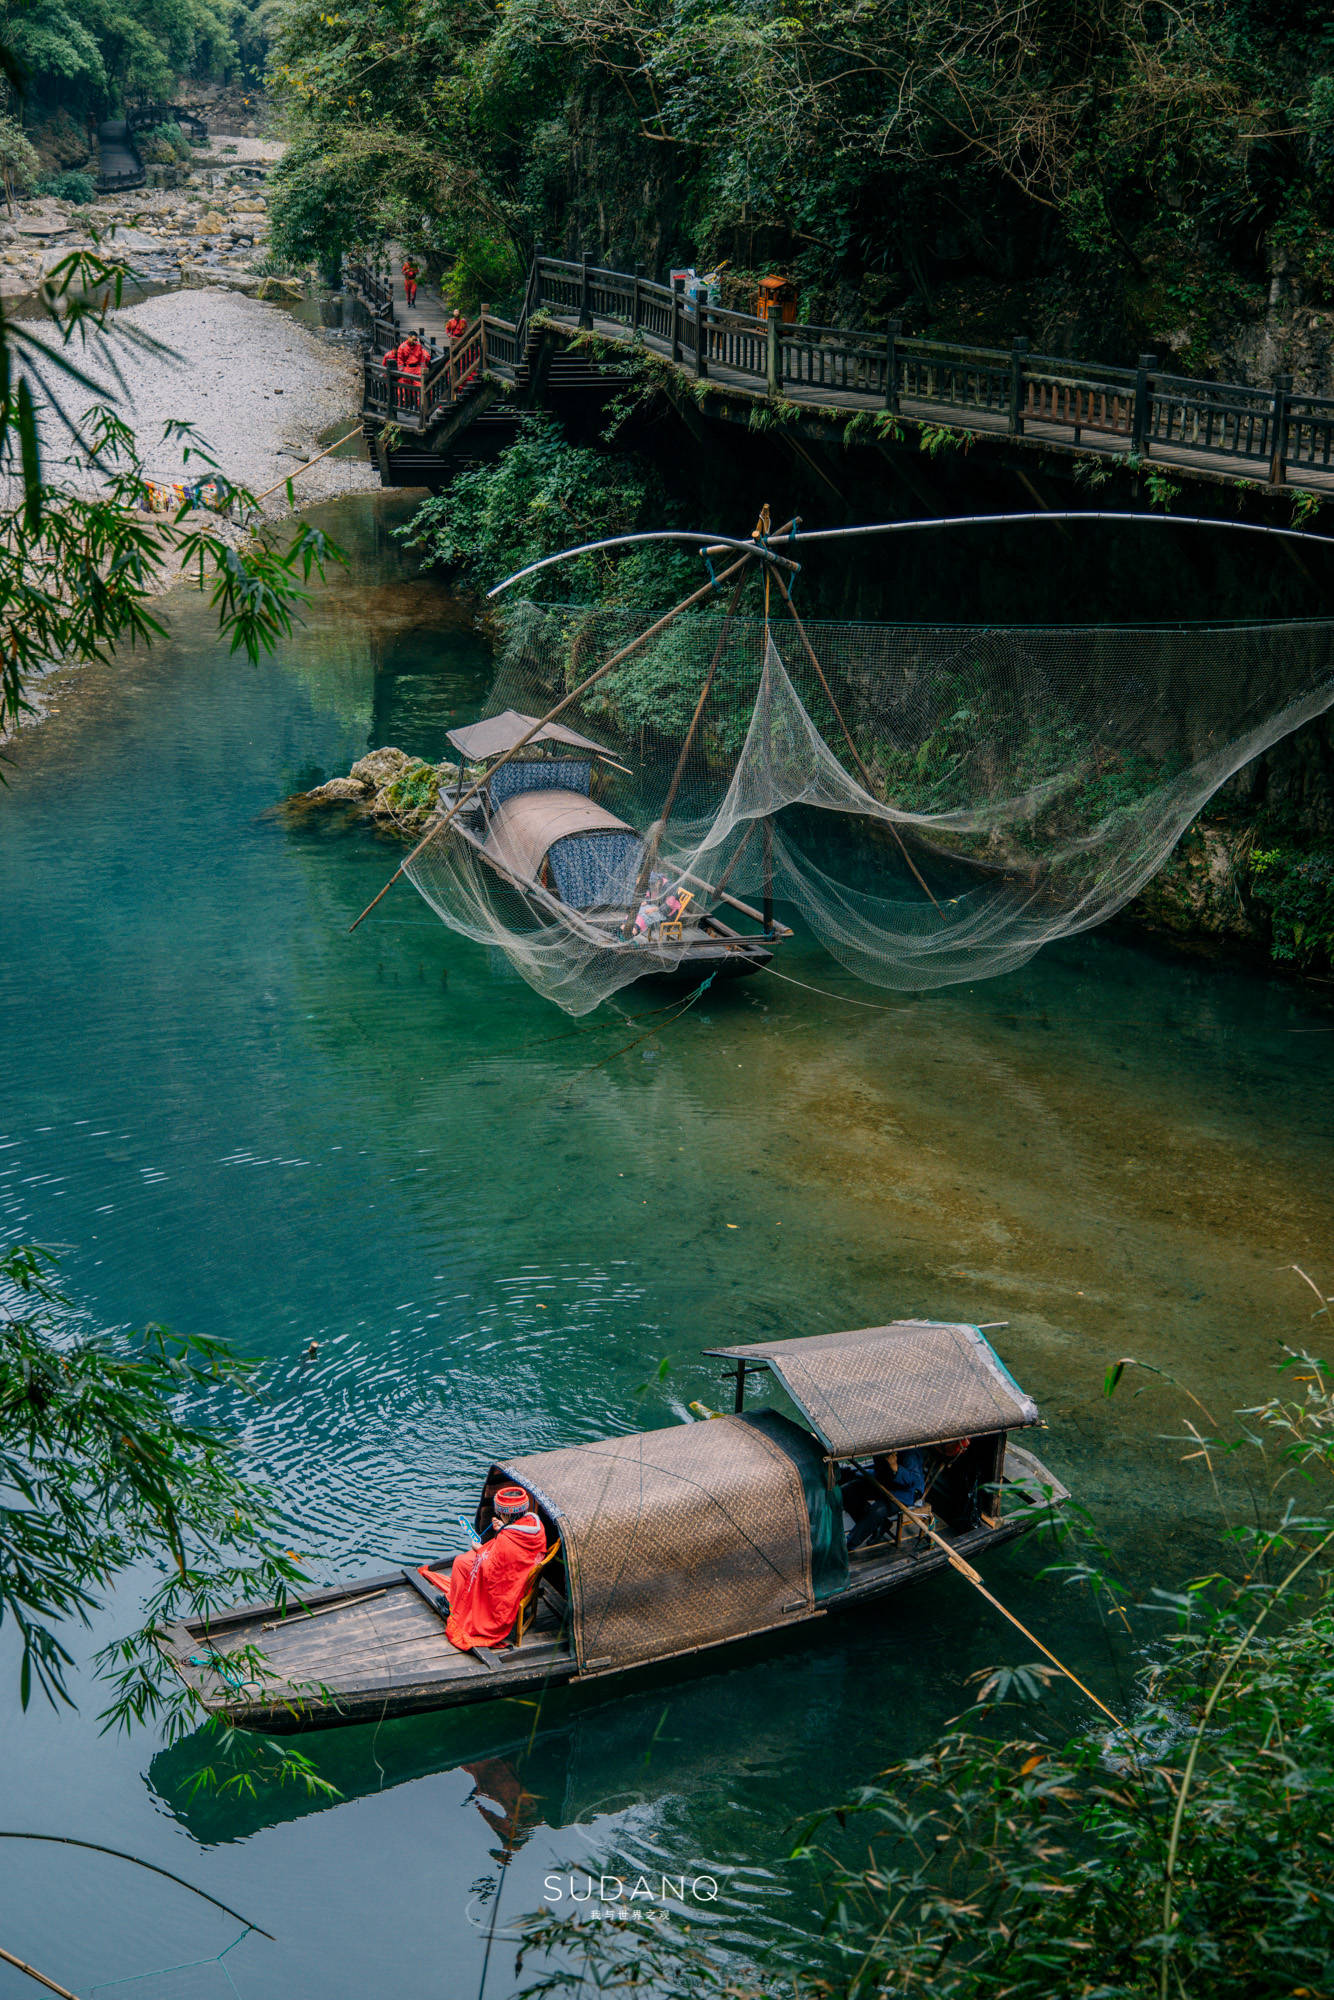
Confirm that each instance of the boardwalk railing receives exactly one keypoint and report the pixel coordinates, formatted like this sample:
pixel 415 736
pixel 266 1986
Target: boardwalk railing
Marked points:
pixel 145 117
pixel 1141 411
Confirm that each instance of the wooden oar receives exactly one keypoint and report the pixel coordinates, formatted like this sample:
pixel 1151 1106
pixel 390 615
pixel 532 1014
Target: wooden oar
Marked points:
pixel 344 1604
pixel 966 1569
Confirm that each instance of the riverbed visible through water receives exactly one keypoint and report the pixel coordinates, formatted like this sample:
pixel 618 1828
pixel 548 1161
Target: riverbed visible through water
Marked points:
pixel 498 1225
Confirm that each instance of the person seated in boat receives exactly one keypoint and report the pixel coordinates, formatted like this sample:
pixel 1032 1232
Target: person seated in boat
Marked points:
pixel 866 1496
pixel 648 917
pixel 955 1484
pixel 486 1585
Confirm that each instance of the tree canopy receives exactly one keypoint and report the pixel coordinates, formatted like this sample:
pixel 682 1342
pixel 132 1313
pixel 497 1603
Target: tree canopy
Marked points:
pixel 1128 167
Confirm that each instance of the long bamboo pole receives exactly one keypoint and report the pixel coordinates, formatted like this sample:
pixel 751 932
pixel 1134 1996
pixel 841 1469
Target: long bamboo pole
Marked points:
pixel 32 1972
pixel 966 1569
pixel 306 467
pixel 653 839
pixel 847 733
pixel 607 667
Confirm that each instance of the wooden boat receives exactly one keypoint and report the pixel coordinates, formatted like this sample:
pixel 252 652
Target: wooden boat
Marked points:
pixel 668 1543
pixel 536 826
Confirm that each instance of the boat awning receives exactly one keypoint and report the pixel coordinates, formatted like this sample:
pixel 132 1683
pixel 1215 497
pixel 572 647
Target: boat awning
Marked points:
pixel 885 1388
pixel 528 824
pixel 673 1539
pixel 495 734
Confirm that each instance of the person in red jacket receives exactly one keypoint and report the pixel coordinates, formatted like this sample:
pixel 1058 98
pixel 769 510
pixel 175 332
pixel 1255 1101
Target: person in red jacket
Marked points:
pixel 410 276
pixel 486 1585
pixel 456 325
pixel 409 357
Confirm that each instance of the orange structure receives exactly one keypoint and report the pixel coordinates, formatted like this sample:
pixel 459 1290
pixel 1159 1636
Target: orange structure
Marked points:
pixel 776 299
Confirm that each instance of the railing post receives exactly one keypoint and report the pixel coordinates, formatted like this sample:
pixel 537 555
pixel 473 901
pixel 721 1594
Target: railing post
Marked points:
pixel 773 380
pixel 391 378
pixel 678 286
pixel 1278 432
pixel 1139 426
pixel 585 306
pixel 1017 353
pixel 892 332
pixel 482 312
pixel 701 338
pixel 634 298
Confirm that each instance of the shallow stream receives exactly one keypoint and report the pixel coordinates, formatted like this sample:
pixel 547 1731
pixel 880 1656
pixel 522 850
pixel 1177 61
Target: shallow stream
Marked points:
pixel 233 1117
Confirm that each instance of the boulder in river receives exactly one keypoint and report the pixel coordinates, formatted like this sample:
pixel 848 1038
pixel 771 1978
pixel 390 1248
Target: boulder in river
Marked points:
pixel 386 784
pixel 379 768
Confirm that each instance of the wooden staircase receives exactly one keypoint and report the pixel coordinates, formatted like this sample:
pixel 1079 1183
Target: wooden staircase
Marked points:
pixel 488 414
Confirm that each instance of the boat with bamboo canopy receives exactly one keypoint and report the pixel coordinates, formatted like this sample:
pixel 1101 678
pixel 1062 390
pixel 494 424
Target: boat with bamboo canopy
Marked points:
pixel 534 824
pixel 662 1545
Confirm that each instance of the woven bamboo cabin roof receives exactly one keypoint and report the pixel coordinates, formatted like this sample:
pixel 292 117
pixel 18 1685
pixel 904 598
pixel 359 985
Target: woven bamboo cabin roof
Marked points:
pixel 495 734
pixel 673 1539
pixel 886 1388
pixel 528 824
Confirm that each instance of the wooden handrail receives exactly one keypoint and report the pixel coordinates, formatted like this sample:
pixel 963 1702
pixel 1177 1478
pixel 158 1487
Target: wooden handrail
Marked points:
pixel 1152 408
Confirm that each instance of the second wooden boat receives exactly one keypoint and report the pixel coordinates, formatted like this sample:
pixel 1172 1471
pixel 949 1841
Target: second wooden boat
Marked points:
pixel 666 1544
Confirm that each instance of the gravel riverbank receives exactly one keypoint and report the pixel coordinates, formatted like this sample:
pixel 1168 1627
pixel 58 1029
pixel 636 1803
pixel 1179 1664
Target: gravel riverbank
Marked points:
pixel 259 387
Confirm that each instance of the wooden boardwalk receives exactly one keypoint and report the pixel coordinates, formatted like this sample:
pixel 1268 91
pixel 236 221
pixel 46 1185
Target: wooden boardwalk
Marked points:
pixel 868 386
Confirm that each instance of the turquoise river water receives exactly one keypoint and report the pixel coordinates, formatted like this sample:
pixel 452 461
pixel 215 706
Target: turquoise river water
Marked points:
pixel 232 1116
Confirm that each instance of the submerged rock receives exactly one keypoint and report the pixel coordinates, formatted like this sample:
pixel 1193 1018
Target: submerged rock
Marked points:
pixel 339 791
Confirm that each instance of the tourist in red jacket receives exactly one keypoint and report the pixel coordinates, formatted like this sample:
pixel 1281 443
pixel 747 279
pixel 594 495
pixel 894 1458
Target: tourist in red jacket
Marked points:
pixel 487 1584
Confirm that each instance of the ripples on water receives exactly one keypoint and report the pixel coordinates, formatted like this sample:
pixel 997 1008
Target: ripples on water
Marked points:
pixel 234 1117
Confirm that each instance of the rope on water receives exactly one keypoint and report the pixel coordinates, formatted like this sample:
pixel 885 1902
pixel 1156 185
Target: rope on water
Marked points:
pixel 876 1006
pixel 685 1005
pixel 185 1965
pixel 119 1854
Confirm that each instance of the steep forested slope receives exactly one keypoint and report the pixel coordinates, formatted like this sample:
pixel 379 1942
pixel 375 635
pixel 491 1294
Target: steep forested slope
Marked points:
pixel 1099 173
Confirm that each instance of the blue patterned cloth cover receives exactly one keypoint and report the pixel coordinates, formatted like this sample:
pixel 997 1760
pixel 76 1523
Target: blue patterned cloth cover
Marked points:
pixel 554 774
pixel 590 869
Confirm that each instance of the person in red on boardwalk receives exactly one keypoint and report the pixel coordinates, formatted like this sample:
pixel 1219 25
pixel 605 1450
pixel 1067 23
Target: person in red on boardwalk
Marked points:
pixel 411 273
pixel 456 325
pixel 410 359
pixel 486 1585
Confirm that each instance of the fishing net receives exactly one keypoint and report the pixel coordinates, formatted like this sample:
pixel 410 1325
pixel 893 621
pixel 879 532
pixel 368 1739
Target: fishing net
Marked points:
pixel 936 803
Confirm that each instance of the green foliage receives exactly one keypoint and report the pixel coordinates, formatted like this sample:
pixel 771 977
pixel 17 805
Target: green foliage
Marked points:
pixel 1144 158
pixel 1296 886
pixel 541 495
pixel 73 185
pixel 88 55
pixel 19 164
pixel 161 145
pixel 416 790
pixel 934 439
pixel 103 557
pixel 1185 1853
pixel 112 1460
